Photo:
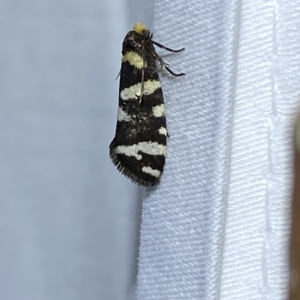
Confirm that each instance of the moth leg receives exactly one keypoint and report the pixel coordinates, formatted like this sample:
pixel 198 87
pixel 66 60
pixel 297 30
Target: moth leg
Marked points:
pixel 174 74
pixel 143 76
pixel 166 48
pixel 118 75
pixel 165 65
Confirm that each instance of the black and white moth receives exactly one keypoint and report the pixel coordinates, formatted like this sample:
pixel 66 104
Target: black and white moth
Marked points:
pixel 139 146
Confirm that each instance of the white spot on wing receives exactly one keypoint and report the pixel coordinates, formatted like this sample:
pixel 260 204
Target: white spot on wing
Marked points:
pixel 134 59
pixel 158 110
pixel 123 116
pixel 151 148
pixel 133 92
pixel 154 172
pixel 163 131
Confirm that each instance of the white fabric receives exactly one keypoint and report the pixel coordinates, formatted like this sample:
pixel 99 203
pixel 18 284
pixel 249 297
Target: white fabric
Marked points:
pixel 218 225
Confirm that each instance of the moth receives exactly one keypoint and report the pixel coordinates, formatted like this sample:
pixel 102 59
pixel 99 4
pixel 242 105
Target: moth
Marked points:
pixel 139 147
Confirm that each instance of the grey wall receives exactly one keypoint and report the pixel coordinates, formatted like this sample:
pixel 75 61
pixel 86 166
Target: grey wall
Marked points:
pixel 69 221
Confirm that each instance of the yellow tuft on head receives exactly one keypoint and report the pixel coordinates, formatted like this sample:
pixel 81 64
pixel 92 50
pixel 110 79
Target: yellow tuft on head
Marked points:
pixel 139 27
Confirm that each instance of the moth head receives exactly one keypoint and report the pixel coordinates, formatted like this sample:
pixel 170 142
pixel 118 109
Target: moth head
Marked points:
pixel 141 28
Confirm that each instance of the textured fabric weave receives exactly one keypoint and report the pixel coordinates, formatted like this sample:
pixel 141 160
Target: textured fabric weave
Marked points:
pixel 217 227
